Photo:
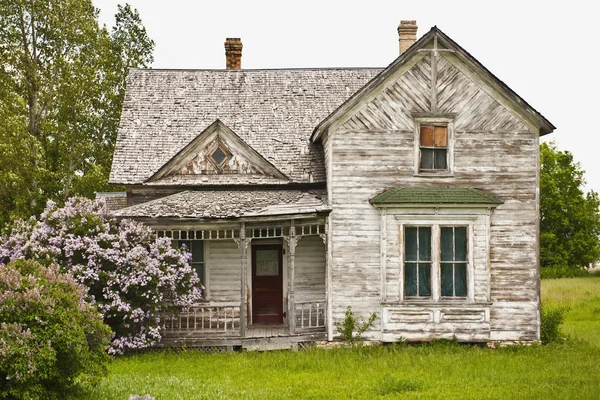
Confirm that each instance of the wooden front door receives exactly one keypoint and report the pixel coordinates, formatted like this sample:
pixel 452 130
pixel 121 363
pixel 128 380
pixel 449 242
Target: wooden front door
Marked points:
pixel 267 284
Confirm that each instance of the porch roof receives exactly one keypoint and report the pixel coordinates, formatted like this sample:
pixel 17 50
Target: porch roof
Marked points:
pixel 224 204
pixel 444 195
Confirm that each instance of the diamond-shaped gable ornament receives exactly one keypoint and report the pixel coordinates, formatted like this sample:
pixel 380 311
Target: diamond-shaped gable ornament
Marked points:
pixel 218 156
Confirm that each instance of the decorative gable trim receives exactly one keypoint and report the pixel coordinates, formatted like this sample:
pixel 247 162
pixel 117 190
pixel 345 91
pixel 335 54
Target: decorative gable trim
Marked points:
pixel 220 143
pixel 435 41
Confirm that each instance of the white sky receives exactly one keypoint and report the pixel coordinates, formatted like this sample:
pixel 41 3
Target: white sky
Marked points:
pixel 544 50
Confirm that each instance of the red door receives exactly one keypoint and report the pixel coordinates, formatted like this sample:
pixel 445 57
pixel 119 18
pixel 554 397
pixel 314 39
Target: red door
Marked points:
pixel 267 284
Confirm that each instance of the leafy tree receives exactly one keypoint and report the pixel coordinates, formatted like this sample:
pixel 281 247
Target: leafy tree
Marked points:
pixel 132 275
pixel 569 220
pixel 50 336
pixel 62 80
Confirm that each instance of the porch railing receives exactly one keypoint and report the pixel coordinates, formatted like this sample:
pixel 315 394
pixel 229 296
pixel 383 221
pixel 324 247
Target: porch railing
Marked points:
pixel 213 318
pixel 310 314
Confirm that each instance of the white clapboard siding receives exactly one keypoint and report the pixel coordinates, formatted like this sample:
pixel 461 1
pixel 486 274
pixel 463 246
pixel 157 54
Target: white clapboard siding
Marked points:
pixel 494 151
pixel 224 266
pixel 310 269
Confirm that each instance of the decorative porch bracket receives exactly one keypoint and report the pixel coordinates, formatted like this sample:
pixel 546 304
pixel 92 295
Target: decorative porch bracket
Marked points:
pixel 242 243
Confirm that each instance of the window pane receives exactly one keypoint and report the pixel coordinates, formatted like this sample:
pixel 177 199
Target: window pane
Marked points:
pixel 410 244
pixel 410 279
pixel 424 279
pixel 197 251
pixel 199 267
pixel 460 280
pixel 427 158
pixel 460 247
pixel 440 159
pixel 424 243
pixel 267 262
pixel 446 244
pixel 447 284
pixel 440 136
pixel 218 155
pixel 184 243
pixel 427 135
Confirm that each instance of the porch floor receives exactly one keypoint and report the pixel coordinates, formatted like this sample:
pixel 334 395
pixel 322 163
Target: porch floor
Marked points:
pixel 258 337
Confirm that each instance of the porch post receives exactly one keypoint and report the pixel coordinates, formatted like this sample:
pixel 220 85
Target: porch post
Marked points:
pixel 292 289
pixel 243 245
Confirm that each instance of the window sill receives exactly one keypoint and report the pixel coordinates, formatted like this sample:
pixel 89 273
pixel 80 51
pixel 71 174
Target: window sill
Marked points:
pixel 441 303
pixel 444 174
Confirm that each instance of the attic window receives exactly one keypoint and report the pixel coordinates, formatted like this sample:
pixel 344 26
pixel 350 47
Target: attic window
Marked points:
pixel 218 156
pixel 434 134
pixel 433 147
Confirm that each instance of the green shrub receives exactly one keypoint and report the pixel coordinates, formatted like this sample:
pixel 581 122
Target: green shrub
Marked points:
pixel 563 272
pixel 552 318
pixel 350 324
pixel 50 337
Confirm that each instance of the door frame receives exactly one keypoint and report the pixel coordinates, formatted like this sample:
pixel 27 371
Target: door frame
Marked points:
pixel 274 245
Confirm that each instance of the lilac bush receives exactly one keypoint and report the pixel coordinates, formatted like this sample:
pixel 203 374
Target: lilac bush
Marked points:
pixel 51 337
pixel 130 274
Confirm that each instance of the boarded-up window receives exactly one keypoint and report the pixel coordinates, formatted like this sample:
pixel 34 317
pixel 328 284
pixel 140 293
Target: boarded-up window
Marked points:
pixel 453 258
pixel 433 147
pixel 417 261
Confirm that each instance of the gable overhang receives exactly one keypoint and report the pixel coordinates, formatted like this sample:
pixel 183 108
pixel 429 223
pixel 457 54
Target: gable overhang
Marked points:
pixel 461 59
pixel 216 130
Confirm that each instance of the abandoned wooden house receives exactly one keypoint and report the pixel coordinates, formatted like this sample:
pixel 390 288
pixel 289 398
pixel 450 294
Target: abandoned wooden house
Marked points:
pixel 410 191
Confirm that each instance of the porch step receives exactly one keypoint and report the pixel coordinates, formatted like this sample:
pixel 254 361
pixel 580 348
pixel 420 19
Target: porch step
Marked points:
pixel 271 343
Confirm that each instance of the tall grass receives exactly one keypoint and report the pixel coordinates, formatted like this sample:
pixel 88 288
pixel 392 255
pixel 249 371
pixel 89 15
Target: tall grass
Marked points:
pixel 566 370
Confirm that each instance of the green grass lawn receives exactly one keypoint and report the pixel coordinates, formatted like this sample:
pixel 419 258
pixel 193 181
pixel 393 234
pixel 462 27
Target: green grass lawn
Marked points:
pixel 569 370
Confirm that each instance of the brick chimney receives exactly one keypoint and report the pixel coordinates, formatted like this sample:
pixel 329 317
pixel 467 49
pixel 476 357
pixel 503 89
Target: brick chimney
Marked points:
pixel 407 32
pixel 233 53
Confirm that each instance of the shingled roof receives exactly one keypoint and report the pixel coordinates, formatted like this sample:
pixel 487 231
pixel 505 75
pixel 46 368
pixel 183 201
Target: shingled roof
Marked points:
pixel 219 204
pixel 273 111
pixel 448 195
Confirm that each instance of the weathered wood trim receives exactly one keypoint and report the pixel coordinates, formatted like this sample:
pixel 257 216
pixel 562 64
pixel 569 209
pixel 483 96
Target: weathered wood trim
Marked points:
pixel 221 132
pixel 243 245
pixel 206 293
pixel 537 238
pixel 383 254
pixel 329 282
pixel 488 232
pixel 493 90
pixel 471 266
pixel 435 263
pixel 370 91
pixel 426 119
pixel 292 242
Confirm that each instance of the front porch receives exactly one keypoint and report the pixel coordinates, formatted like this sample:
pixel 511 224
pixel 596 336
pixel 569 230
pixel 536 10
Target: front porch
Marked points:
pixel 219 326
pixel 260 301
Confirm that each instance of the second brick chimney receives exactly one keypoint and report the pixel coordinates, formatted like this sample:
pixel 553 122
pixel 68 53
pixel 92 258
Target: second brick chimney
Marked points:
pixel 233 53
pixel 407 32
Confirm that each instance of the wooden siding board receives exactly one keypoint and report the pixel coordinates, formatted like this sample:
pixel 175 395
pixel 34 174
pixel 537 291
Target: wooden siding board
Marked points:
pixel 493 151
